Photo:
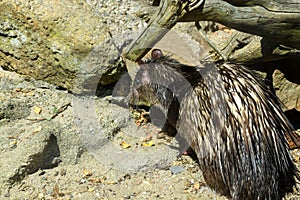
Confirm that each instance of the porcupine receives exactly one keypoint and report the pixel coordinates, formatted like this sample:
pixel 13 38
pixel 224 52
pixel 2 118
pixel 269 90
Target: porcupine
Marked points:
pixel 231 120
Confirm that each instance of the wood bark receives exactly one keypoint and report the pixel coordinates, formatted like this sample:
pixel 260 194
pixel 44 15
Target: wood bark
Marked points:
pixel 277 21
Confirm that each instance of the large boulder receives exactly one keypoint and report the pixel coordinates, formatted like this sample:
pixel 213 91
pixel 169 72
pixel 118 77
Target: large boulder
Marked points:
pixel 58 41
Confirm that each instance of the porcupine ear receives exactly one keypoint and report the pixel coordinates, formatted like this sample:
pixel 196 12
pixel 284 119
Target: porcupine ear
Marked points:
pixel 156 54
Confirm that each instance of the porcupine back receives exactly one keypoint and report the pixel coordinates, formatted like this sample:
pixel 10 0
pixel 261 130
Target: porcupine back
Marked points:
pixel 231 120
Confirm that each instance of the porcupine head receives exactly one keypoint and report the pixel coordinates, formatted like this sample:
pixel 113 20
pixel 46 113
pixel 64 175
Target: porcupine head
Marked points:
pixel 152 86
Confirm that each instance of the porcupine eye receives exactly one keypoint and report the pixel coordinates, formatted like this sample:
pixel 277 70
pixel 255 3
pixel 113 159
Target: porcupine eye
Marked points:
pixel 156 54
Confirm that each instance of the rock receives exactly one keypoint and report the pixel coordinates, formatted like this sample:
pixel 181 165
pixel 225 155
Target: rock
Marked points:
pixel 39 140
pixel 177 169
pixel 65 43
pixel 101 66
pixel 39 152
pixel 59 135
pixel 287 91
pixel 103 126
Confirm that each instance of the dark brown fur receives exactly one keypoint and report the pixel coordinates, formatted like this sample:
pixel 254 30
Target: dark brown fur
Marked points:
pixel 231 120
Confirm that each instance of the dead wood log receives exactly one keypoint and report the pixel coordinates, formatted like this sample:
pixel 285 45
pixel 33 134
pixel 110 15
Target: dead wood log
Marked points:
pixel 277 21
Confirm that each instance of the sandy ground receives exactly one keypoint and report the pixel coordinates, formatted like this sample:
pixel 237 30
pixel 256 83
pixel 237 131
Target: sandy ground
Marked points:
pixel 79 174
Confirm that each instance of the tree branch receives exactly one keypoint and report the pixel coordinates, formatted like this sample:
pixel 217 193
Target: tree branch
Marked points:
pixel 280 25
pixel 276 20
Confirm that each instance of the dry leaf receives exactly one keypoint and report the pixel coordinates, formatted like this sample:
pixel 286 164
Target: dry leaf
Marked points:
pixel 37 110
pixel 95 180
pixel 38 129
pixel 148 138
pixel 197 185
pixel 111 183
pixel 13 143
pixel 125 145
pixel 30 94
pixel 140 118
pixel 148 144
pixel 87 173
pixel 56 192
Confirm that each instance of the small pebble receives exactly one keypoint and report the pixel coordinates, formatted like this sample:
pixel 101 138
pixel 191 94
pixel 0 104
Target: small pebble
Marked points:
pixel 161 135
pixel 56 173
pixel 42 173
pixel 63 172
pixel 50 192
pixel 177 169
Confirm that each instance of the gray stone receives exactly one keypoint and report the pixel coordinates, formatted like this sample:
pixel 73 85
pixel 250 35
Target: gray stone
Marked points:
pixel 65 43
pixel 287 91
pixel 177 169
